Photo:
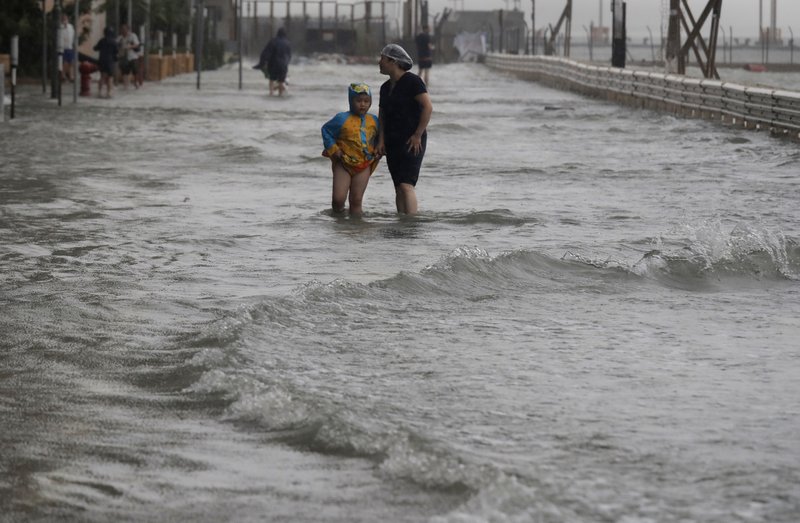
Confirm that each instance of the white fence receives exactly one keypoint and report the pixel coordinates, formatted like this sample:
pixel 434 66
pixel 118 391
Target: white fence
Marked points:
pixel 750 107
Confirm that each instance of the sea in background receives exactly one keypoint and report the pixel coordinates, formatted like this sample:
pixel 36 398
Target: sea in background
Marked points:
pixel 729 61
pixel 594 317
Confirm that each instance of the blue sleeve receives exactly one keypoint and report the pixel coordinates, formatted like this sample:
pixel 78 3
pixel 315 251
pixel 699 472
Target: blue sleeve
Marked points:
pixel 330 131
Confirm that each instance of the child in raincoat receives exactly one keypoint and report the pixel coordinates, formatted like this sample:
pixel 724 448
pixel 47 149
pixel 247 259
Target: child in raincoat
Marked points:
pixel 350 139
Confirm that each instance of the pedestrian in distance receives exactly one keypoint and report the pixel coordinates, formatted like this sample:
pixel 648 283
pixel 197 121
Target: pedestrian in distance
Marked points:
pixel 404 111
pixel 424 53
pixel 128 55
pixel 274 62
pixel 106 62
pixel 68 45
pixel 350 141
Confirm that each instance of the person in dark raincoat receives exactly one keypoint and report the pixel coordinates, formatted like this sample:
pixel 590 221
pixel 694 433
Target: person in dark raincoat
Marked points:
pixel 274 62
pixel 107 60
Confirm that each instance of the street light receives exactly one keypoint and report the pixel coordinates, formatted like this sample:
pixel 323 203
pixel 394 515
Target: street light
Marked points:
pixel 198 39
pixel 723 42
pixel 652 45
pixel 44 48
pixel 791 46
pixel 14 64
pixel 589 41
pixel 730 44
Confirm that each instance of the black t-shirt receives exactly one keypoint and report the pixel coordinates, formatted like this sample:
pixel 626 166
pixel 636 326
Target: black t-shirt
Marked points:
pixel 400 111
pixel 423 41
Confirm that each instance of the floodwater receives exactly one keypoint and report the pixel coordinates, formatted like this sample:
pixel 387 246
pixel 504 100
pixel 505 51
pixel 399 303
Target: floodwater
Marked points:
pixel 594 318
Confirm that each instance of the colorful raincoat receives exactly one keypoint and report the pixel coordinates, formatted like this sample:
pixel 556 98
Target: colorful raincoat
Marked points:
pixel 355 135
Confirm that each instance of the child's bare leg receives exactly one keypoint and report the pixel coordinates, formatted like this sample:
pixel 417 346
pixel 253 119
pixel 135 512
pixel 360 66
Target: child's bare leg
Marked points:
pixel 358 185
pixel 341 184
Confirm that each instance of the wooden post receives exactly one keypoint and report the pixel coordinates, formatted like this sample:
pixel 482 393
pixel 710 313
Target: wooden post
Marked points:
pixel 707 66
pixel 673 36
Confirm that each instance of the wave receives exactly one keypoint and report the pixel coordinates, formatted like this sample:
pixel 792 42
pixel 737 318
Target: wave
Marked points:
pixel 508 498
pixel 708 253
pixel 488 217
pixel 285 137
pixel 287 414
pixel 452 127
pixel 700 258
pixel 238 153
pixel 290 366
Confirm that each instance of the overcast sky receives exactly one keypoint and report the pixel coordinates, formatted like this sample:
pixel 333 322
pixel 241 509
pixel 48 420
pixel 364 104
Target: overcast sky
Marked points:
pixel 742 15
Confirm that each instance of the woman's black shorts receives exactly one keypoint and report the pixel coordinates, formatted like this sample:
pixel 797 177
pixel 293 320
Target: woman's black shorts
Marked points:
pixel 404 165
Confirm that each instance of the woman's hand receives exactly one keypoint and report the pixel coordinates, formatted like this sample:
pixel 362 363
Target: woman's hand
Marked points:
pixel 415 144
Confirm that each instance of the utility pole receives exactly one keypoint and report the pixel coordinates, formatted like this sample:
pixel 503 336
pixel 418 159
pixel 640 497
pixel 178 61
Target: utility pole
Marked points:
pixel 14 64
pixel 533 27
pixel 44 48
pixel 55 82
pixel 618 33
pixel 774 21
pixel 198 39
pixel 601 13
pixel 761 29
pixel 75 51
pixel 673 35
pixel 239 38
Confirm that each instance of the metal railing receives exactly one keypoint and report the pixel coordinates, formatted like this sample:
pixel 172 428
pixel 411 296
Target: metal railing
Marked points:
pixel 751 107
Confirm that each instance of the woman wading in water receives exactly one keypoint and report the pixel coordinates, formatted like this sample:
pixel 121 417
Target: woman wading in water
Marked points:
pixel 404 111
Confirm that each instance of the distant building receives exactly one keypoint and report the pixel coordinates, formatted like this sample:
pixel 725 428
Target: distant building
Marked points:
pixel 773 36
pixel 600 35
pixel 313 26
pixel 503 31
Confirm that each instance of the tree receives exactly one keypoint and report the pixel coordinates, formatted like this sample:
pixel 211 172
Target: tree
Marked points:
pixel 169 16
pixel 23 18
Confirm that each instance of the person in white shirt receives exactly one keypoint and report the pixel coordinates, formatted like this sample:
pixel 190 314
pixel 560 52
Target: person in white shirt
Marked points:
pixel 68 44
pixel 129 54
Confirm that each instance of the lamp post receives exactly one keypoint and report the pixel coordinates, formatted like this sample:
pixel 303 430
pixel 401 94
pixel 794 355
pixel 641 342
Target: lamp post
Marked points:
pixel 761 29
pixel 55 65
pixel 533 27
pixel 652 45
pixel 730 44
pixel 59 54
pixel 589 42
pixel 145 41
pixel 14 64
pixel 75 53
pixel 198 39
pixel 44 49
pixel 239 38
